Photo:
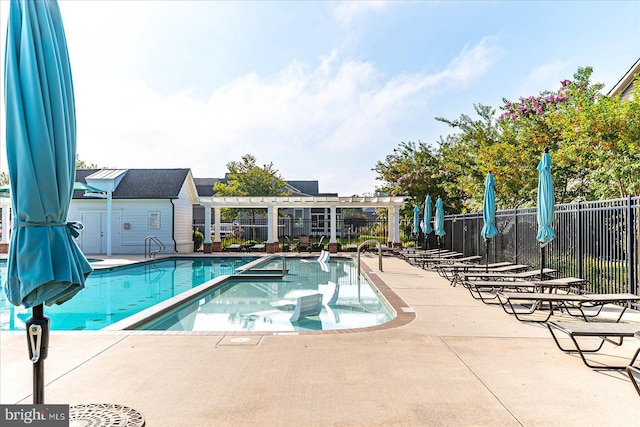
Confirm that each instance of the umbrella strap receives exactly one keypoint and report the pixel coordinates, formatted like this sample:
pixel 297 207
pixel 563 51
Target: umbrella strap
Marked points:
pixel 74 226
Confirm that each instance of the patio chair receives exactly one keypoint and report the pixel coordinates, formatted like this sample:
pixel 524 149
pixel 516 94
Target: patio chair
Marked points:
pixel 303 243
pixel 258 247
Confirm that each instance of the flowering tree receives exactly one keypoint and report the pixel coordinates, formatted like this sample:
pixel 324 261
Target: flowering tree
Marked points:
pixel 413 169
pixel 594 140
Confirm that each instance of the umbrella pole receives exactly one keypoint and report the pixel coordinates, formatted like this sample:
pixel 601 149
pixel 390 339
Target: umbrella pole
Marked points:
pixel 38 344
pixel 542 261
pixel 486 261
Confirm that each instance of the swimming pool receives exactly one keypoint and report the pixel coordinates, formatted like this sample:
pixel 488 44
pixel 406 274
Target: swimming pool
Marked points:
pixel 111 295
pixel 256 304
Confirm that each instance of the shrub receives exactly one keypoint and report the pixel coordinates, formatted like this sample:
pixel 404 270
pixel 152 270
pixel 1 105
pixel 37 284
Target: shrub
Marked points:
pixel 198 239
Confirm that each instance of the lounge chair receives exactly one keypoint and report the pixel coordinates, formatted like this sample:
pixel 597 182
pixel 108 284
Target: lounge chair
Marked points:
pixel 233 248
pixel 259 247
pixel 307 305
pixel 603 331
pixel 303 243
pixel 330 294
pixel 487 290
pixel 303 306
pixel 504 274
pixel 451 271
pixel 324 256
pixel 573 304
pixel 318 246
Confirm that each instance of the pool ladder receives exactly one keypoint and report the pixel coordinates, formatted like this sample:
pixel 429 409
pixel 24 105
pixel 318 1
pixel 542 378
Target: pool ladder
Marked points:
pixel 379 253
pixel 148 241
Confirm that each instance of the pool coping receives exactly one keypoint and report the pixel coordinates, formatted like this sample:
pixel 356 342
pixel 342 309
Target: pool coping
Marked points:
pixel 404 314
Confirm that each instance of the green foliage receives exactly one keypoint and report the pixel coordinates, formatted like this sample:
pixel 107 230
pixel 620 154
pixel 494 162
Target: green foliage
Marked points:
pixel 413 169
pixel 245 178
pixel 198 239
pixel 593 139
pixel 355 220
pixel 81 164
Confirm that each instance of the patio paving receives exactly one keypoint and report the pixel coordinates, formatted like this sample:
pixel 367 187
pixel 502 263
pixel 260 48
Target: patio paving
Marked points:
pixel 459 363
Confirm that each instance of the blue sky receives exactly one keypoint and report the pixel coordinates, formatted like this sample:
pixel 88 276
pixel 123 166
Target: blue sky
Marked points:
pixel 321 89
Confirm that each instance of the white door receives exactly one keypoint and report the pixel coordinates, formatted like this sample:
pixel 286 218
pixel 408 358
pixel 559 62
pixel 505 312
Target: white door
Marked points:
pixel 91 233
pixel 94 234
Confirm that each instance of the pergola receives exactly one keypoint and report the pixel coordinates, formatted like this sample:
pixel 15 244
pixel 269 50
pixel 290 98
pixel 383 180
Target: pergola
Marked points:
pixel 272 204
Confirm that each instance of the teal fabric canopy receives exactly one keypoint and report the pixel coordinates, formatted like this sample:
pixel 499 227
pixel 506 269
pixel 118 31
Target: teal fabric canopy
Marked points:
pixel 416 219
pixel 489 229
pixel 546 201
pixel 44 264
pixel 426 226
pixel 439 225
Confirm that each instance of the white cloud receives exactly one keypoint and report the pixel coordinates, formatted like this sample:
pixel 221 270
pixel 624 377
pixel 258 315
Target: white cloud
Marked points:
pixel 312 123
pixel 547 76
pixel 345 12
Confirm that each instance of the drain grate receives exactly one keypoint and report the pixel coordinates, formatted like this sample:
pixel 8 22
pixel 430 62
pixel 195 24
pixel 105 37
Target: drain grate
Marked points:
pixel 102 414
pixel 230 340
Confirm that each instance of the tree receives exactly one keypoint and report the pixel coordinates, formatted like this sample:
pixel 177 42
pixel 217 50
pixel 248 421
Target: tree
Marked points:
pixel 413 169
pixel 81 164
pixel 467 156
pixel 245 178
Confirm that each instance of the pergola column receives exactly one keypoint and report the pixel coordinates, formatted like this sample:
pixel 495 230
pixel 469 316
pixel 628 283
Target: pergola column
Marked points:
pixel 333 242
pixel 217 224
pixel 390 213
pixel 396 228
pixel 273 245
pixel 4 245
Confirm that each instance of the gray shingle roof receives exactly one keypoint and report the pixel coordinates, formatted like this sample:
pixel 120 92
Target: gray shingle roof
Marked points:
pixel 143 183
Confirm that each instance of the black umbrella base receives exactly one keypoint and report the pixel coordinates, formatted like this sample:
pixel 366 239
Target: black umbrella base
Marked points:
pixel 102 414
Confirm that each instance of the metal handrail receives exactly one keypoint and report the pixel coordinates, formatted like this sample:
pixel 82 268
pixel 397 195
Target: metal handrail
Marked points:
pixel 379 253
pixel 147 246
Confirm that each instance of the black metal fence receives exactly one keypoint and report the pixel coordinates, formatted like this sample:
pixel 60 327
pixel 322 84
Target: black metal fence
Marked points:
pixel 597 241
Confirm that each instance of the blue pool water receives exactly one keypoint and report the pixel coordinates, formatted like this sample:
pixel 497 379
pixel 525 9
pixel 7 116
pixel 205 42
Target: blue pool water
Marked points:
pixel 256 305
pixel 114 294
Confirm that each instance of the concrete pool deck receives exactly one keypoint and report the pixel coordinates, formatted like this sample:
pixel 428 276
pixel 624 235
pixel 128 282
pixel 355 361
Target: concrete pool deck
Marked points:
pixel 460 363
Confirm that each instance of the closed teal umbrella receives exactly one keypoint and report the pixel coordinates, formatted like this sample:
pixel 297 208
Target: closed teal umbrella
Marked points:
pixel 439 223
pixel 416 223
pixel 546 204
pixel 44 264
pixel 489 229
pixel 426 227
pixel 426 223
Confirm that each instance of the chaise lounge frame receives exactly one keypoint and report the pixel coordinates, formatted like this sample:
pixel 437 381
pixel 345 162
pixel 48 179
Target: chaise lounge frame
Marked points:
pixel 602 330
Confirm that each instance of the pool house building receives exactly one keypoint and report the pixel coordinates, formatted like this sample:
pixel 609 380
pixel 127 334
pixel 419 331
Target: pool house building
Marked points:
pixel 126 211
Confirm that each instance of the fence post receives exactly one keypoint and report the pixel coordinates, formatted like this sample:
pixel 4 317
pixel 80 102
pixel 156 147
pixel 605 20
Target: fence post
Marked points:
pixel 464 235
pixel 579 254
pixel 515 235
pixel 630 248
